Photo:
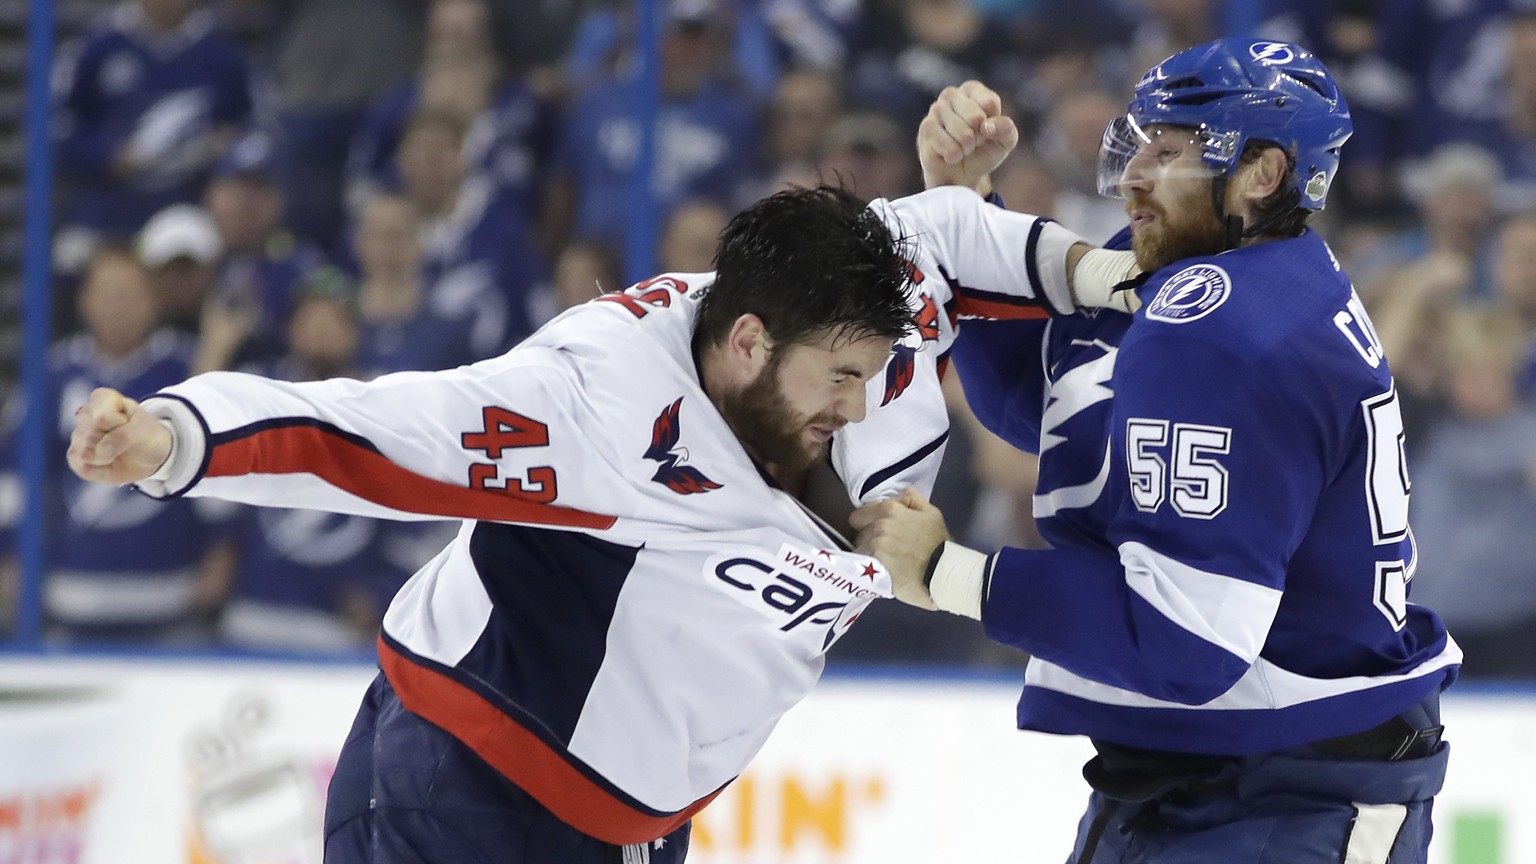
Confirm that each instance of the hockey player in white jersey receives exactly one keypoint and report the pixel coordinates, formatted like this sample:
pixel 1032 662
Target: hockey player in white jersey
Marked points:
pixel 1224 610
pixel 636 594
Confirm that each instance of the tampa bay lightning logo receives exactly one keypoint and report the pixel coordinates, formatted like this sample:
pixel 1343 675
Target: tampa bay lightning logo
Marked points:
pixel 1271 53
pixel 665 432
pixel 1190 294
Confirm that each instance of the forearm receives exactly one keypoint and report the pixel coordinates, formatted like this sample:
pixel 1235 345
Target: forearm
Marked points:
pixel 408 446
pixel 1070 608
pixel 1002 264
pixel 1076 608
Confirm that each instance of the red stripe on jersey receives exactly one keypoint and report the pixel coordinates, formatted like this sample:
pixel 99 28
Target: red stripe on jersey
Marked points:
pixel 972 307
pixel 367 474
pixel 523 757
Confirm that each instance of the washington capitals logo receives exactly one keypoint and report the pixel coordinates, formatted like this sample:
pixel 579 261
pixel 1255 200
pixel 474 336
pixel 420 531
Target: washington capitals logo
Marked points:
pixel 899 372
pixel 903 365
pixel 682 479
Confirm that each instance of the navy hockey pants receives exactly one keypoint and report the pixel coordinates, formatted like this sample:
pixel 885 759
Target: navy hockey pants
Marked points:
pixel 406 792
pixel 1297 806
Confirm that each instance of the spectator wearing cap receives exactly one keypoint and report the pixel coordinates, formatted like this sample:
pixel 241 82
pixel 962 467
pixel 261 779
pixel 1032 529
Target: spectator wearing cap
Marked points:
pixel 262 261
pixel 181 247
pixel 1442 265
pixel 755 37
pixel 1453 191
pixel 144 104
pixel 707 131
pixel 120 567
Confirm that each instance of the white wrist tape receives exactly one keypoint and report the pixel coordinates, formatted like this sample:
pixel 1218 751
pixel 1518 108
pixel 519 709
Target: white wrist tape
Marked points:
pixel 959 575
pixel 1097 274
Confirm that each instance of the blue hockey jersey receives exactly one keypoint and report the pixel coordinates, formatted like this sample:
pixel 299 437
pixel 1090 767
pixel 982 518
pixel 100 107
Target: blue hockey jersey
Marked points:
pixel 161 98
pixel 1222 478
pixel 115 557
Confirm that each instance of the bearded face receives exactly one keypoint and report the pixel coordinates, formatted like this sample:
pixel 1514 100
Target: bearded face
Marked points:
pixel 1175 222
pixel 771 429
pixel 1167 188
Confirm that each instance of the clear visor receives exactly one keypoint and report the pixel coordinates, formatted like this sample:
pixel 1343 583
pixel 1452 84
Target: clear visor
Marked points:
pixel 1131 152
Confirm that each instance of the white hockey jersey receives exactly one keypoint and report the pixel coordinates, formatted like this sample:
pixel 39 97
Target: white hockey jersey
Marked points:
pixel 629 605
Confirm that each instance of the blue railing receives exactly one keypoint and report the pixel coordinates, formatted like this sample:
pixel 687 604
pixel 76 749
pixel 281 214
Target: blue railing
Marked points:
pixel 36 306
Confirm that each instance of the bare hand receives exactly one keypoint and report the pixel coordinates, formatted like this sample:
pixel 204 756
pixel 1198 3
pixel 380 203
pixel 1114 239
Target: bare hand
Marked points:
pixel 114 441
pixel 965 137
pixel 902 533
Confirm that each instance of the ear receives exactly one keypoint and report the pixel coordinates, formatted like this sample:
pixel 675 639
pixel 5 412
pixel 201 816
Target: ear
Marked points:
pixel 1257 180
pixel 747 347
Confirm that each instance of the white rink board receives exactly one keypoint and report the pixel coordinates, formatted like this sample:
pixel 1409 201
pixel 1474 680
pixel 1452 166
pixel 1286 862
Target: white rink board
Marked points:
pixel 204 762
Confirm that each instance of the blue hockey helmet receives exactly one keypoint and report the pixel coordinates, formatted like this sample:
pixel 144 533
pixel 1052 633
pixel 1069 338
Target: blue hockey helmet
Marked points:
pixel 1230 92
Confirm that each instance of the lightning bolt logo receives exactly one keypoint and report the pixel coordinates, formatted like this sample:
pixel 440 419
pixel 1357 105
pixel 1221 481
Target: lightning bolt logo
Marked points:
pixel 1180 292
pixel 1190 294
pixel 1081 387
pixel 1271 53
pixel 665 434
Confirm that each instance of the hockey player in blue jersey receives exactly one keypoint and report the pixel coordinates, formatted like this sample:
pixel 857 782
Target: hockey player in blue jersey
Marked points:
pixel 1224 610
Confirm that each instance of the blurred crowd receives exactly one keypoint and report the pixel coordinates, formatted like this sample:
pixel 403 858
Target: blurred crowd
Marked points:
pixel 313 188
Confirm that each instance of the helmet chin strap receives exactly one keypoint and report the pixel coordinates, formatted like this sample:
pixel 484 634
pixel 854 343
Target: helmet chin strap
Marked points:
pixel 1234 233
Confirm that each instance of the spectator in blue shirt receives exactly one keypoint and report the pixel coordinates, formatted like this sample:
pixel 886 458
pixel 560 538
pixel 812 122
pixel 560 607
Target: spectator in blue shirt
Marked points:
pixel 707 130
pixel 509 137
pixel 472 238
pixel 262 262
pixel 145 103
pixel 120 566
pixel 408 324
pixel 308 580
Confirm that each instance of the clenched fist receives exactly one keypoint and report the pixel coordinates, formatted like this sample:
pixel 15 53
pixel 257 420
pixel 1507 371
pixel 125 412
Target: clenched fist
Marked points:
pixel 902 534
pixel 964 138
pixel 114 441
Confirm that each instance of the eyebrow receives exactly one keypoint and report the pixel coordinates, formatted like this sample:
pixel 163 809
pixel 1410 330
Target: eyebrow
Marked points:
pixel 848 370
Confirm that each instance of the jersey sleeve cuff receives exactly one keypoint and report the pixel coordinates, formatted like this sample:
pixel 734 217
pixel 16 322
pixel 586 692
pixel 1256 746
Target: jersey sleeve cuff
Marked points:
pixel 189 448
pixel 1046 258
pixel 957 577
